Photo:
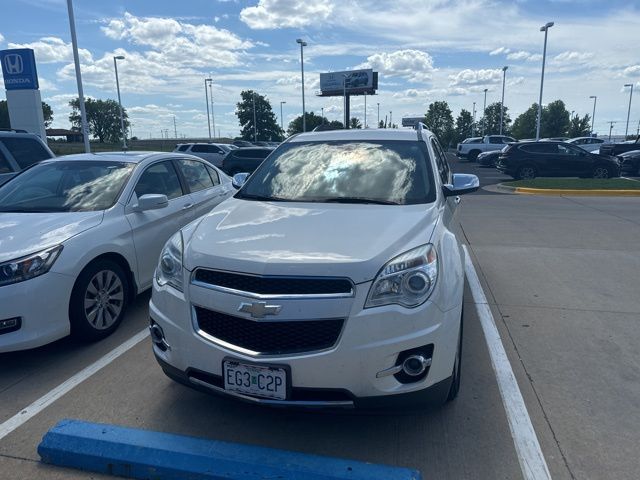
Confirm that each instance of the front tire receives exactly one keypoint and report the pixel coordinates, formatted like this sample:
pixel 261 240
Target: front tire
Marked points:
pixel 473 155
pixel 601 171
pixel 457 366
pixel 98 301
pixel 526 172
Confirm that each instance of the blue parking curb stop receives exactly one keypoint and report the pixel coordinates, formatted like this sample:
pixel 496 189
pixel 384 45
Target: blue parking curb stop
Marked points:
pixel 141 454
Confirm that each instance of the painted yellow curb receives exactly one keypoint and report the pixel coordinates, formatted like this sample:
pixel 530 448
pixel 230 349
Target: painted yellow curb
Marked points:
pixel 550 191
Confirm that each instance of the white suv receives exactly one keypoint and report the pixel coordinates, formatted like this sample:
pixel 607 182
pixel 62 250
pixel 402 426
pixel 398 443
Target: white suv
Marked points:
pixel 333 278
pixel 211 152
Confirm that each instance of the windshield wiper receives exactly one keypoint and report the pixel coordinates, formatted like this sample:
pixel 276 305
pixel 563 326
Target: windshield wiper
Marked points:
pixel 358 200
pixel 264 198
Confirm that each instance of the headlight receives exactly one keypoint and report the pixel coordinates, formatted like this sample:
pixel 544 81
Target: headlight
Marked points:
pixel 407 280
pixel 169 270
pixel 24 268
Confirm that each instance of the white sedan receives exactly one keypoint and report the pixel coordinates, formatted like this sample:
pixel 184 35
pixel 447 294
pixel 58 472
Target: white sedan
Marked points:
pixel 81 236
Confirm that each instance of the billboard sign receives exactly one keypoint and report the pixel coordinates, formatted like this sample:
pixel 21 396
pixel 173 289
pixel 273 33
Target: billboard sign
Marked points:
pixel 19 69
pixel 412 121
pixel 356 82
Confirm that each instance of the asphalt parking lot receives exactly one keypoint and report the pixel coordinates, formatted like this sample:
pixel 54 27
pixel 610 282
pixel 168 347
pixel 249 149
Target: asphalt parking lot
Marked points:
pixel 560 276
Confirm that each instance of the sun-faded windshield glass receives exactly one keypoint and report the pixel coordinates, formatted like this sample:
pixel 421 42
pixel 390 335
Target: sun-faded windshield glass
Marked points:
pixel 75 186
pixel 368 171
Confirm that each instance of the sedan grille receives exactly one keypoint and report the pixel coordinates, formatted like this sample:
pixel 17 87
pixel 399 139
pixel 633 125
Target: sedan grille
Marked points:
pixel 269 338
pixel 273 285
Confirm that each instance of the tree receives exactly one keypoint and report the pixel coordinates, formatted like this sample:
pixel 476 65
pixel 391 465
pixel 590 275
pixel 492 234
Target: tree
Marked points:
pixel 490 123
pixel 580 127
pixel 381 124
pixel 6 123
pixel 311 121
pixel 555 120
pixel 440 121
pixel 267 127
pixel 524 125
pixel 355 123
pixel 103 117
pixel 464 123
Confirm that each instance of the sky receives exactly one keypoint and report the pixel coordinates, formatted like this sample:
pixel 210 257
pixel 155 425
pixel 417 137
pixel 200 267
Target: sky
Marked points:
pixel 424 51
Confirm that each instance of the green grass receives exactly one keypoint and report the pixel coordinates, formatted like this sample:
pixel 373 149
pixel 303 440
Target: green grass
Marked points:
pixel 577 184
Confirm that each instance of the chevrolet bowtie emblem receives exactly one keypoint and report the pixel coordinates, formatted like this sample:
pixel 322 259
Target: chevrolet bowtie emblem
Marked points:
pixel 259 309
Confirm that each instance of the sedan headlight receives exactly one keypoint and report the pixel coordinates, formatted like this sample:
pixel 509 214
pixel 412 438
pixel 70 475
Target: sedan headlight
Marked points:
pixel 407 280
pixel 24 268
pixel 169 270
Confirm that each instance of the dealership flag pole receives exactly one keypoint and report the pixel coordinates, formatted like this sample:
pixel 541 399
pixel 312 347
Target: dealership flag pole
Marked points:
pixel 76 61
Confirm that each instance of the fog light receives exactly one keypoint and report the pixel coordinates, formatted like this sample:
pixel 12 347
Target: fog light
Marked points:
pixel 157 337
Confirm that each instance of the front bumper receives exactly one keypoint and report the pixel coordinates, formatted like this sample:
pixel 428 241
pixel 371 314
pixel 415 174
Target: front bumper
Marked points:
pixel 42 304
pixel 342 376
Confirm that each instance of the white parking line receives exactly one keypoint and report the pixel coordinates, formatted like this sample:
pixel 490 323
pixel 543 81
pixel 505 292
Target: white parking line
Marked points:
pixel 532 462
pixel 48 398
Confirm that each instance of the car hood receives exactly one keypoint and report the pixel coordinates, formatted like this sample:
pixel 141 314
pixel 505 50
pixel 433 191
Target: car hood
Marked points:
pixel 306 239
pixel 26 233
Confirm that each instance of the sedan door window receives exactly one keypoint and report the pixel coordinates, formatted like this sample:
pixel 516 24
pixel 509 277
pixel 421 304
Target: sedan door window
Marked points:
pixel 4 164
pixel 214 175
pixel 161 179
pixel 195 174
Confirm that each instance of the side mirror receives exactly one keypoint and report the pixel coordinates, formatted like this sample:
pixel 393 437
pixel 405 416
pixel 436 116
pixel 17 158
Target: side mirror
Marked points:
pixel 462 183
pixel 151 201
pixel 239 179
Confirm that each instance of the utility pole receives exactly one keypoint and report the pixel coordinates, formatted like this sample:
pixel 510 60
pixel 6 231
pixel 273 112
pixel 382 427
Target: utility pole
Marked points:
pixel 391 119
pixel 122 129
pixel 213 117
pixel 255 129
pixel 593 116
pixel 545 28
pixel 302 45
pixel 611 128
pixel 504 76
pixel 206 97
pixel 175 129
pixel 378 114
pixel 365 110
pixel 484 112
pixel 626 132
pixel 322 110
pixel 473 122
pixel 76 61
pixel 281 118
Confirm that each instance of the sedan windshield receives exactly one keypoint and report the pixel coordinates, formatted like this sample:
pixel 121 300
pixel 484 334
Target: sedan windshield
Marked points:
pixel 71 186
pixel 368 171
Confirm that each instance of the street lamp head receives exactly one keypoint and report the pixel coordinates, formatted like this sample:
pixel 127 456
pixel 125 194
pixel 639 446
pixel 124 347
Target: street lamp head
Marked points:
pixel 593 96
pixel 208 80
pixel 119 57
pixel 546 26
pixel 301 42
pixel 486 90
pixel 504 69
pixel 628 84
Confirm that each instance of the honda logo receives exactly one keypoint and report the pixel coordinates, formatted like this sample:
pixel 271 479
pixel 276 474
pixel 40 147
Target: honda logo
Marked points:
pixel 13 64
pixel 259 309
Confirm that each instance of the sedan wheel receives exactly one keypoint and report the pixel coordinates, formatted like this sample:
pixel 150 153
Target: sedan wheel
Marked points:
pixel 98 301
pixel 600 172
pixel 526 173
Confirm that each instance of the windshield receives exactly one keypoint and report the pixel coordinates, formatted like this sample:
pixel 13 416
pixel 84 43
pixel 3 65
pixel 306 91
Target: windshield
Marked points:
pixel 74 186
pixel 368 171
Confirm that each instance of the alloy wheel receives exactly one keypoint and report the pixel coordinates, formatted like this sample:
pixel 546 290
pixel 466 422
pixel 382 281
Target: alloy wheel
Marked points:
pixel 104 299
pixel 600 172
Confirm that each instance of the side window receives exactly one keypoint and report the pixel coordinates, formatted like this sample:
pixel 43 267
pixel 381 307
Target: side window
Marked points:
pixel 195 174
pixel 508 140
pixel 262 153
pixel 25 151
pixel 441 162
pixel 183 148
pixel 214 175
pixel 199 148
pixel 4 164
pixel 160 178
pixel 495 140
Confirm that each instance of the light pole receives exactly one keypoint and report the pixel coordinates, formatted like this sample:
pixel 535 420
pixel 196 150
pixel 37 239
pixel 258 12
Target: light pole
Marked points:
pixel 302 45
pixel 484 112
pixel 390 118
pixel 610 129
pixel 545 28
pixel 322 114
pixel 213 117
pixel 365 110
pixel 281 117
pixel 378 114
pixel 504 77
pixel 344 103
pixel 206 96
pixel 473 122
pixel 255 130
pixel 122 130
pixel 76 61
pixel 593 116
pixel 626 131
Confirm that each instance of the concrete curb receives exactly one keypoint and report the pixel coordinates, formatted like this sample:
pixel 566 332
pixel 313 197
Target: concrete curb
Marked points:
pixel 140 454
pixel 549 191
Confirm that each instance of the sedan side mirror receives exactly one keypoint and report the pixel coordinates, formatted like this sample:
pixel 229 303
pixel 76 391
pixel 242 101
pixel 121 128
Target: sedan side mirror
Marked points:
pixel 462 183
pixel 239 179
pixel 151 201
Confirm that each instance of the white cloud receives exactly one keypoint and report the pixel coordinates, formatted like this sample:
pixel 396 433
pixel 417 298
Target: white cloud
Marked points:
pixel 573 57
pixel 499 51
pixel 632 71
pixel 524 55
pixel 414 65
pixel 470 77
pixel 1 38
pixel 270 14
pixel 53 50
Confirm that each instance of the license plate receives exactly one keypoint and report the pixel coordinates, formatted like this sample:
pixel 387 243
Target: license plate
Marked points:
pixel 255 380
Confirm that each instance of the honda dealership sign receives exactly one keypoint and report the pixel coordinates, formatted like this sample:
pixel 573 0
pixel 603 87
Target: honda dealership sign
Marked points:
pixel 22 90
pixel 19 69
pixel 355 82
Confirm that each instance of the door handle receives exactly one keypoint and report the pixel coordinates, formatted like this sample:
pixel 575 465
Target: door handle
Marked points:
pixel 187 206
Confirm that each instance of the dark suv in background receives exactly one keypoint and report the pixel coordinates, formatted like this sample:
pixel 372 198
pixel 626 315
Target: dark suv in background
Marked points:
pixel 19 150
pixel 244 160
pixel 526 160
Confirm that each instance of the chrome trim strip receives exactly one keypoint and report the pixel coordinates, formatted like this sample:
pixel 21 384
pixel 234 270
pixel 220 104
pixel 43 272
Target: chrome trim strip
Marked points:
pixel 267 401
pixel 389 371
pixel 251 353
pixel 261 296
